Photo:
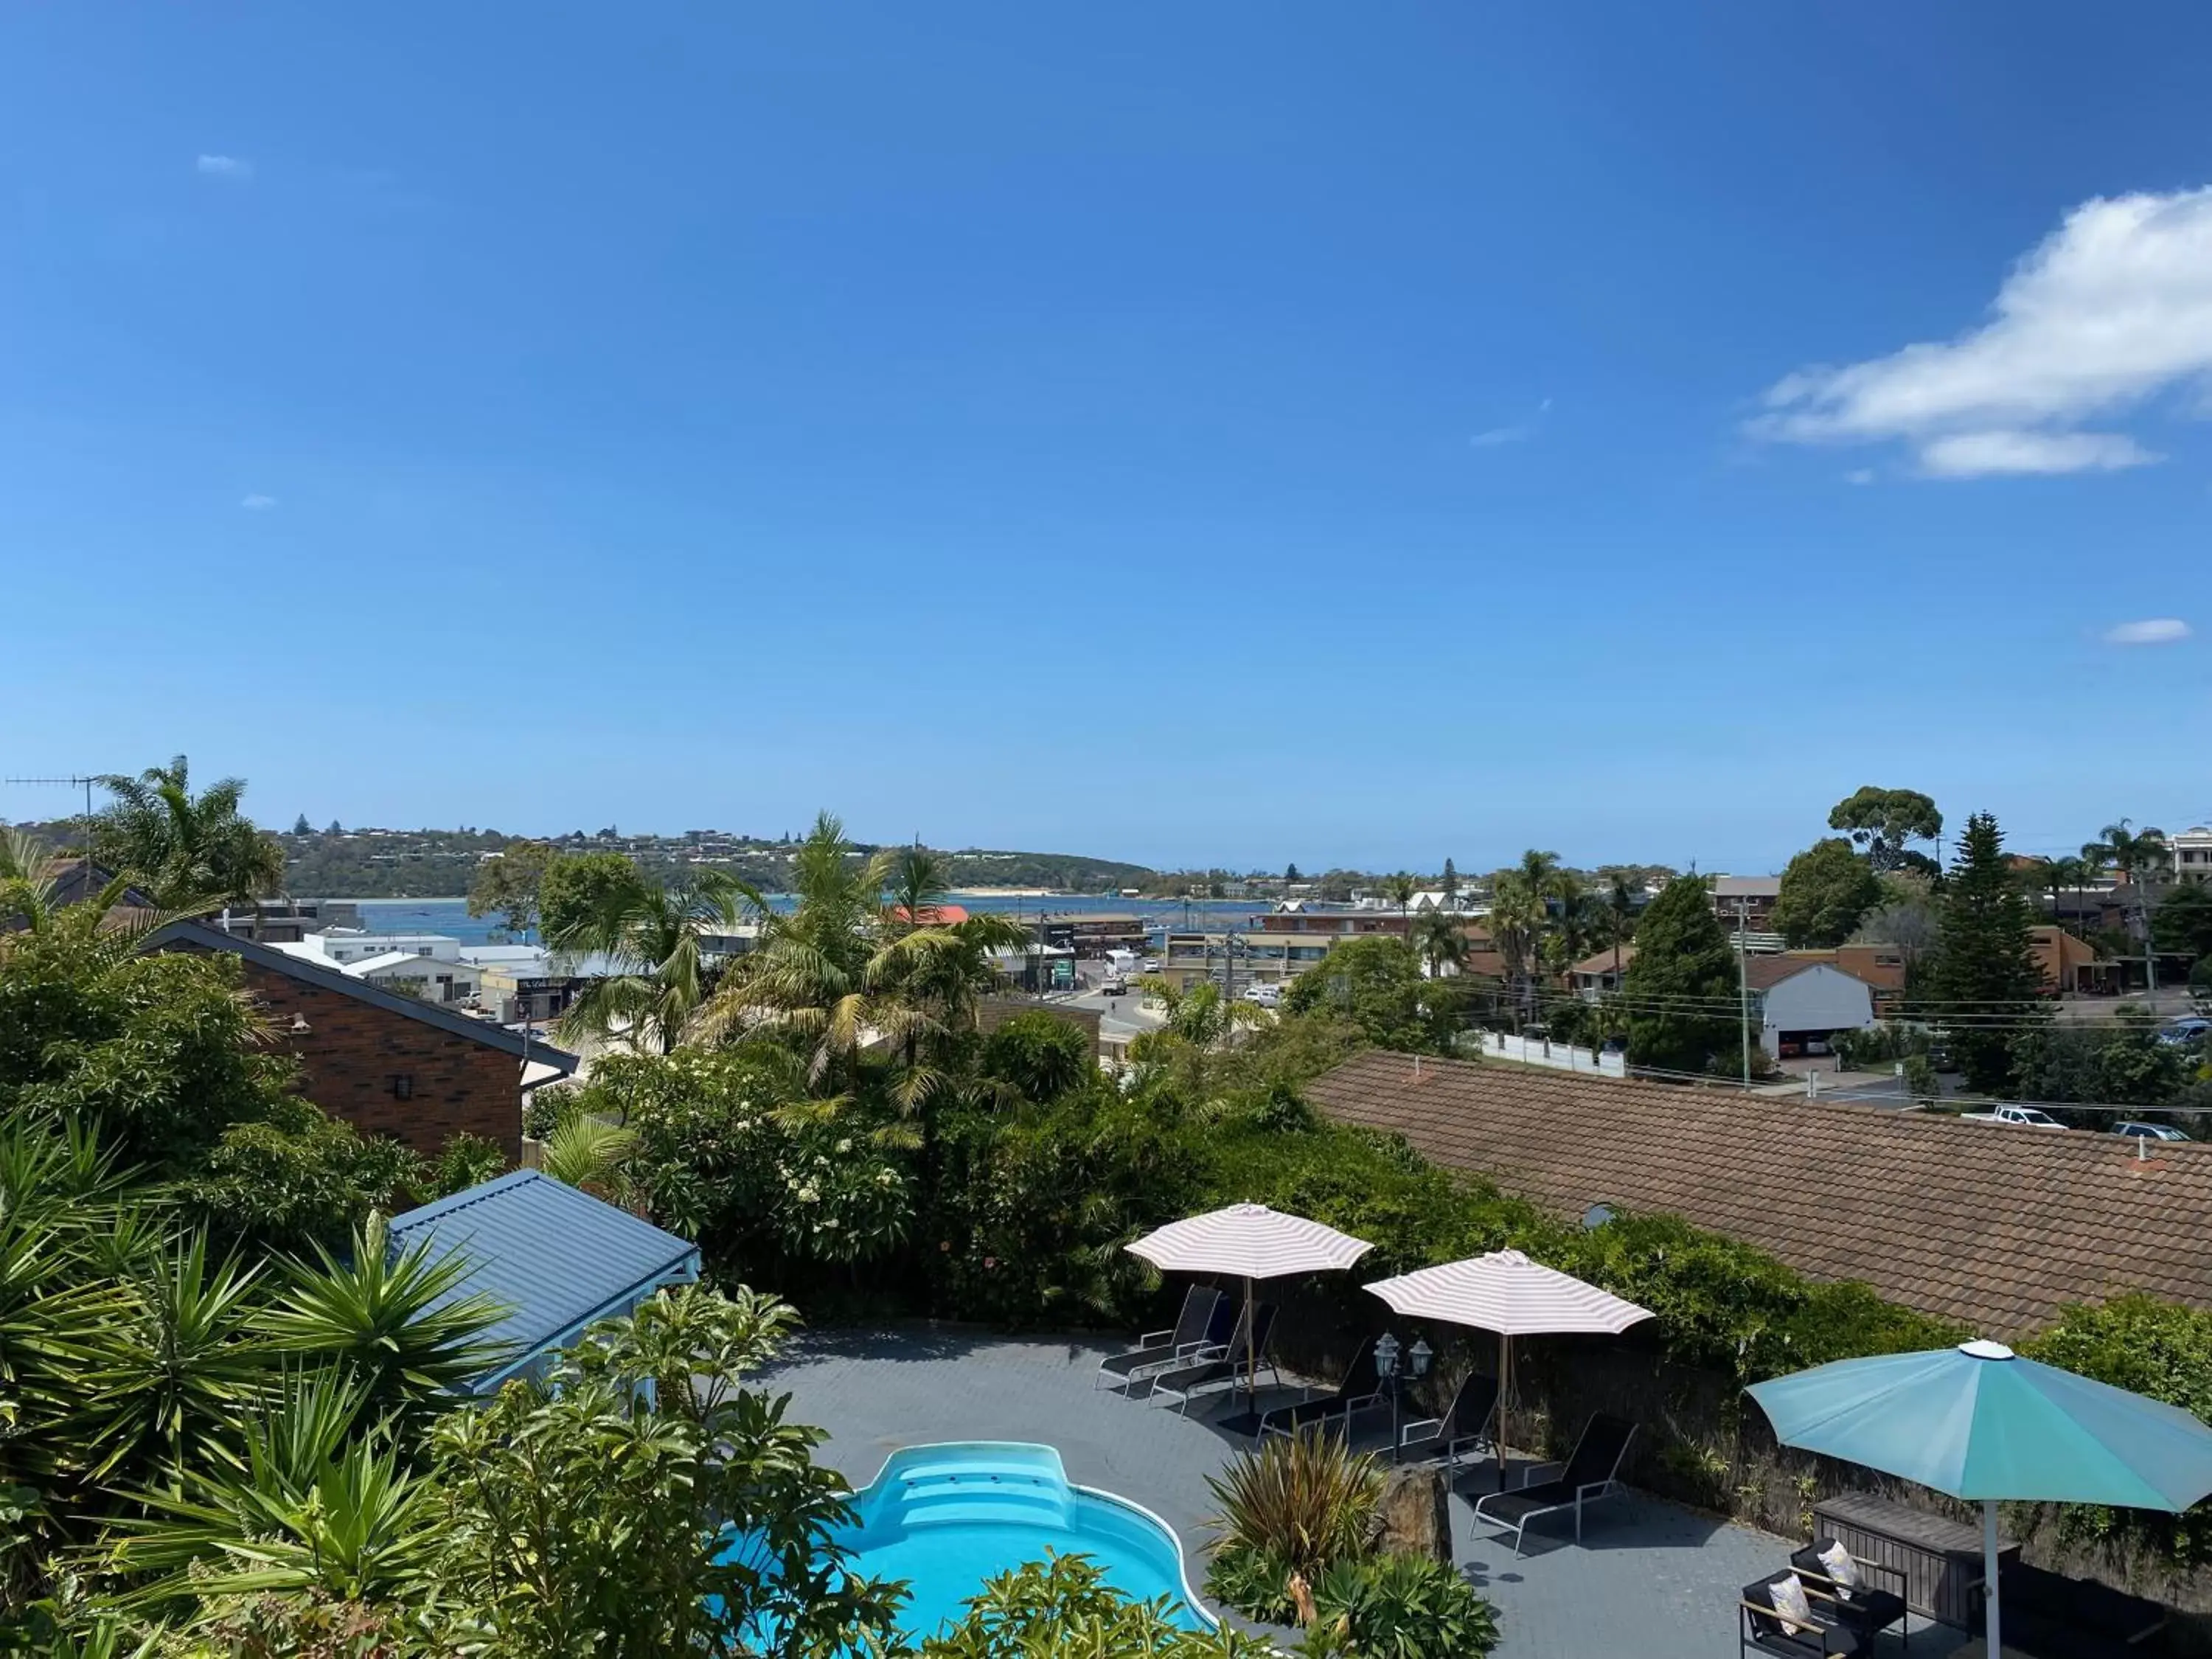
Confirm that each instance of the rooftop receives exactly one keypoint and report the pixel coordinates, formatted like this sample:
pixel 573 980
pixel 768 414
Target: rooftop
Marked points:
pixel 1927 1211
pixel 556 1257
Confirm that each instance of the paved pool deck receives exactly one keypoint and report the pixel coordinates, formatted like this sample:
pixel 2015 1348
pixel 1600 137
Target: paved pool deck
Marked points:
pixel 1651 1579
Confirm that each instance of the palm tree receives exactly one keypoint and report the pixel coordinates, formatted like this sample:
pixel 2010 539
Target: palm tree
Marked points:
pixel 806 979
pixel 187 850
pixel 1438 936
pixel 916 884
pixel 650 930
pixel 1620 915
pixel 1516 921
pixel 100 930
pixel 2128 852
pixel 588 1153
pixel 1400 889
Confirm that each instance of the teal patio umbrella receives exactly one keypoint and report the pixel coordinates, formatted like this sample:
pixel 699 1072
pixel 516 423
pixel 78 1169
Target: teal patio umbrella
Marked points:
pixel 1981 1424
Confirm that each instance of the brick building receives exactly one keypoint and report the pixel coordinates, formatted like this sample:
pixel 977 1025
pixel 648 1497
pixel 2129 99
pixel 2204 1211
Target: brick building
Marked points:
pixel 388 1064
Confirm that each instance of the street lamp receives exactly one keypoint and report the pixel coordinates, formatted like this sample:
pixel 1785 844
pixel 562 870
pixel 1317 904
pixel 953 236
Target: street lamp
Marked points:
pixel 1386 1350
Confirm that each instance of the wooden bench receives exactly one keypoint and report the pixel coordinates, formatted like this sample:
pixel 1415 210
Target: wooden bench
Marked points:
pixel 1938 1560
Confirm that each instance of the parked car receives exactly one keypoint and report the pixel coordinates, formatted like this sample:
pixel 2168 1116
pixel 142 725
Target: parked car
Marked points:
pixel 2149 1131
pixel 2180 1033
pixel 2027 1117
pixel 1149 965
pixel 1266 993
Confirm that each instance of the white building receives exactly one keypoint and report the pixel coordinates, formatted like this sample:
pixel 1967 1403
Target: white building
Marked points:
pixel 1800 1005
pixel 342 945
pixel 2192 854
pixel 416 974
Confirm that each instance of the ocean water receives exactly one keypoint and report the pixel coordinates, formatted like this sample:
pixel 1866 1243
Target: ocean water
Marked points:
pixel 451 916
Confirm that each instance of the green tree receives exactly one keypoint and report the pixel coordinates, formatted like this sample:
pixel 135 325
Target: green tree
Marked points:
pixel 1438 935
pixel 1885 821
pixel 507 884
pixel 1622 897
pixel 1451 883
pixel 1682 989
pixel 189 851
pixel 1399 890
pixel 1064 1606
pixel 2181 924
pixel 575 886
pixel 589 1514
pixel 1375 983
pixel 1039 1054
pixel 301 827
pixel 1983 983
pixel 1827 891
pixel 1289 874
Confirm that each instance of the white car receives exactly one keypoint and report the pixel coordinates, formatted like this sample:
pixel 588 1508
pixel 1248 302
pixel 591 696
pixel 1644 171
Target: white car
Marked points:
pixel 1266 993
pixel 2026 1117
pixel 1149 965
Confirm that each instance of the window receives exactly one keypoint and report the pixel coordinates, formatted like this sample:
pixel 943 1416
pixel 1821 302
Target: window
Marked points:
pixel 402 1084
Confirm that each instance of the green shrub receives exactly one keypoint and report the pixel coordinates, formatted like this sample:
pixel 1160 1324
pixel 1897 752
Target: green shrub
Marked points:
pixel 1065 1606
pixel 1040 1054
pixel 1399 1607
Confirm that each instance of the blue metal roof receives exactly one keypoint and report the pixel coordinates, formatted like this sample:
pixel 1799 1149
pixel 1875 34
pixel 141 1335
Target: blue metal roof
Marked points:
pixel 558 1258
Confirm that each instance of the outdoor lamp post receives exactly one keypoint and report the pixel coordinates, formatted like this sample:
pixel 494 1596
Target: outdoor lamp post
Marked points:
pixel 1386 1369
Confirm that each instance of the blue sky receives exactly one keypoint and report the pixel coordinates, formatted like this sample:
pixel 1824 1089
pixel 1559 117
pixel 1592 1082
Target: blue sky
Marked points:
pixel 1227 433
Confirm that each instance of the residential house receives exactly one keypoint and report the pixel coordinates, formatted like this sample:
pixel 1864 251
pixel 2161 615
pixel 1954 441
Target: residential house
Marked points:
pixel 2192 853
pixel 388 1064
pixel 2072 966
pixel 1598 977
pixel 558 1260
pixel 1746 903
pixel 1927 1210
pixel 1801 1004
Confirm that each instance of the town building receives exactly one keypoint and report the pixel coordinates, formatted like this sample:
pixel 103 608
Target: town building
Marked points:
pixel 2192 853
pixel 1092 936
pixel 285 920
pixel 1800 1005
pixel 1746 903
pixel 2071 966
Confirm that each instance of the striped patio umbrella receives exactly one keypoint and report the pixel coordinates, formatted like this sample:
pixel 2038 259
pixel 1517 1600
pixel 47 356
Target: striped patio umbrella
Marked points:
pixel 1252 1242
pixel 1506 1292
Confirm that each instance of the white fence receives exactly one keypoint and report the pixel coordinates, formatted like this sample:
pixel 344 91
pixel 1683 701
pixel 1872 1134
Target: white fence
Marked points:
pixel 1560 1056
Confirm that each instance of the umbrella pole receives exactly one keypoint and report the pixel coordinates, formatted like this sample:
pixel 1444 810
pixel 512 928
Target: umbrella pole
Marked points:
pixel 1251 1349
pixel 1992 1641
pixel 1504 1393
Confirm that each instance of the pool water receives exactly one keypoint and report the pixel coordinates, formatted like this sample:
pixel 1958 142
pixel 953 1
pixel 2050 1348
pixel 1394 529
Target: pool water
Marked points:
pixel 946 1517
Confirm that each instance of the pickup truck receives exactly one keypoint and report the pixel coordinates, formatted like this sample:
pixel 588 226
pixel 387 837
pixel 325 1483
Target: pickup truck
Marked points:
pixel 2028 1117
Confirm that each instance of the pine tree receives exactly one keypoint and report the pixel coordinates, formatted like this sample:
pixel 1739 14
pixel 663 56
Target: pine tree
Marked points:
pixel 1289 874
pixel 1451 882
pixel 301 827
pixel 1679 989
pixel 1984 982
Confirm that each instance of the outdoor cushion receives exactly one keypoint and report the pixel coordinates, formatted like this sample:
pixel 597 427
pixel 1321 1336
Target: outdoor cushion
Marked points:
pixel 1791 1604
pixel 1842 1571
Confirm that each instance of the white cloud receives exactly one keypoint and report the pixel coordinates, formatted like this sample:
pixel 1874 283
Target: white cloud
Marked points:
pixel 1977 455
pixel 2113 307
pixel 1517 432
pixel 1863 475
pixel 258 503
pixel 224 167
pixel 2157 630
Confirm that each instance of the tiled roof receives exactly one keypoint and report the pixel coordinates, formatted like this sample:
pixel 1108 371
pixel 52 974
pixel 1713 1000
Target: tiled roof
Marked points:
pixel 556 1257
pixel 1994 1226
pixel 1602 961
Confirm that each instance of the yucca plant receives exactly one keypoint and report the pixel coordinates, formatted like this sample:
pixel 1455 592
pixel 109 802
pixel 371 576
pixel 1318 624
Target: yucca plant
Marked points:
pixel 317 1505
pixel 168 1381
pixel 1303 1502
pixel 400 1326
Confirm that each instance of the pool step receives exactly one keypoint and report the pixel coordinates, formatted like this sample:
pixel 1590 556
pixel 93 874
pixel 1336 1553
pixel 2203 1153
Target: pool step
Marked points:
pixel 947 1497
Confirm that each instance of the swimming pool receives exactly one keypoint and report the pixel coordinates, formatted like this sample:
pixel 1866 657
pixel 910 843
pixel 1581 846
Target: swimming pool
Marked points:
pixel 945 1517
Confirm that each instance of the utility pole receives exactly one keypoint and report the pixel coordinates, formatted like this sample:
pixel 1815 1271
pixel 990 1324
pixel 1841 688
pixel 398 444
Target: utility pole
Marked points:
pixel 1744 984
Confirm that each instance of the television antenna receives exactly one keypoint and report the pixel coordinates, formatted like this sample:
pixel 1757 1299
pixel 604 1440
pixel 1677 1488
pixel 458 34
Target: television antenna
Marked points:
pixel 72 782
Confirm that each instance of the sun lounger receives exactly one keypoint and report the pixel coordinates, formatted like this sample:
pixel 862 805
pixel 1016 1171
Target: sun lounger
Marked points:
pixel 1465 1425
pixel 1592 1473
pixel 1247 1346
pixel 1159 1349
pixel 1360 1389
